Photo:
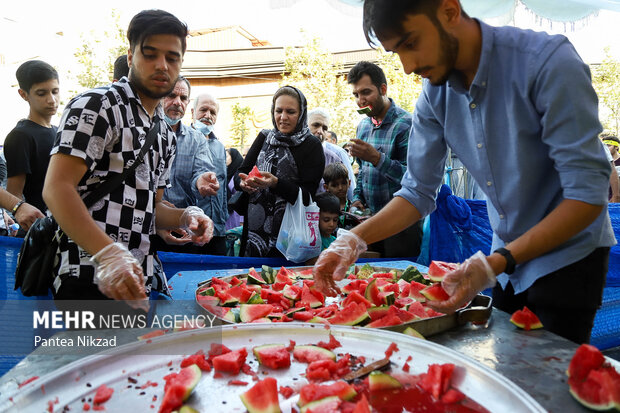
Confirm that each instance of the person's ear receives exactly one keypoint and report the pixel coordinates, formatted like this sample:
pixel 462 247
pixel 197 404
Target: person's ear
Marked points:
pixel 23 94
pixel 324 186
pixel 449 11
pixel 383 89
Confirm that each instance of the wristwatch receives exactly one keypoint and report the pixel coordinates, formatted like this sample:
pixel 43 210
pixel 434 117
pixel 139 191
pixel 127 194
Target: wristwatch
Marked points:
pixel 16 207
pixel 510 260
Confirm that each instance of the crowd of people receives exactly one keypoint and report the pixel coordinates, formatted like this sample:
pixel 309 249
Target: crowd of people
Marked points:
pixel 538 160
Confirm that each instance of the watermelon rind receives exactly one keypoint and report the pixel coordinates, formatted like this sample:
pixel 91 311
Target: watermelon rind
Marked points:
pixel 208 291
pixel 255 298
pixel 592 393
pixel 262 397
pixel 268 274
pixel 525 319
pixel 255 278
pixel 413 333
pixel 320 353
pixel 351 315
pixel 340 389
pixel 412 273
pixel 381 381
pixel 328 404
pixel 187 409
pixel 435 293
pixel 275 354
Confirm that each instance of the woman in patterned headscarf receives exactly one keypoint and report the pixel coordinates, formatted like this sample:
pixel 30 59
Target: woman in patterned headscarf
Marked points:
pixel 288 157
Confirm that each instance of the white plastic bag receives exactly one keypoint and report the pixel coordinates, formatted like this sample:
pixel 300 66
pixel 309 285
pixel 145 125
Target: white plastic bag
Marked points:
pixel 299 238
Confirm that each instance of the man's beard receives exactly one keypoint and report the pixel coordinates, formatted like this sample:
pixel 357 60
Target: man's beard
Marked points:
pixel 137 83
pixel 449 46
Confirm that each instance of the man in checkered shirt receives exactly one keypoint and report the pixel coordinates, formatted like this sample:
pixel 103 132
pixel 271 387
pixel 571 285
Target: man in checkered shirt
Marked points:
pixel 106 252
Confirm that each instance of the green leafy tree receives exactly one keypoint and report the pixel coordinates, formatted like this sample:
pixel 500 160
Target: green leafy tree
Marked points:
pixel 240 130
pixel 606 82
pixel 96 55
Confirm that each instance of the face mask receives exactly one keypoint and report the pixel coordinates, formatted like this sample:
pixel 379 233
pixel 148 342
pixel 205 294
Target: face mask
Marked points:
pixel 201 127
pixel 171 122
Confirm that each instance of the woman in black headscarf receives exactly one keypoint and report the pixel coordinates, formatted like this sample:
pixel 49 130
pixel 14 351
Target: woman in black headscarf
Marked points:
pixel 288 157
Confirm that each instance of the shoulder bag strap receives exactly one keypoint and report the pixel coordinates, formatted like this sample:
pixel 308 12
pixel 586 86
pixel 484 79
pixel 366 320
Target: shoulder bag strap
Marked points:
pixel 109 185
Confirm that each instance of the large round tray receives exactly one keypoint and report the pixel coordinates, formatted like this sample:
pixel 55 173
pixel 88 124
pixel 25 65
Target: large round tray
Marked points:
pixel 150 361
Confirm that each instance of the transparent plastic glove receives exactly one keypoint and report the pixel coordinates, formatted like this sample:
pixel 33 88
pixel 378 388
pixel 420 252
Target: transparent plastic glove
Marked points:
pixel 462 285
pixel 333 263
pixel 119 275
pixel 197 224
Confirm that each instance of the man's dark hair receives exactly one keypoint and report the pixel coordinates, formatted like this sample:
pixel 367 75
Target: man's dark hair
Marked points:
pixel 184 79
pixel 384 18
pixel 335 171
pixel 377 77
pixel 33 72
pixel 121 68
pixel 334 136
pixel 151 22
pixel 610 137
pixel 328 202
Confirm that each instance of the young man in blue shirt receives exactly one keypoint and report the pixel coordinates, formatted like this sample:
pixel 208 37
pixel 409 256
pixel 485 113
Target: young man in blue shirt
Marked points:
pixel 489 92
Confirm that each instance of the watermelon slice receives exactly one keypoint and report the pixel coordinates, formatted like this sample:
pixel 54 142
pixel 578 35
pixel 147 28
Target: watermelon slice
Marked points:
pixel 586 358
pixel 437 379
pixel 525 319
pixel 255 173
pixel 438 269
pixel 381 381
pixel 308 354
pixel 388 320
pixel 372 293
pixel 103 394
pixel 178 388
pixel 435 292
pixel 599 391
pixel 262 397
pixel 312 392
pixel 308 297
pixel 255 278
pixel 356 297
pixel 230 362
pixel 274 356
pixel 251 312
pixel 364 110
pixel 413 333
pixel 351 315
pixel 414 291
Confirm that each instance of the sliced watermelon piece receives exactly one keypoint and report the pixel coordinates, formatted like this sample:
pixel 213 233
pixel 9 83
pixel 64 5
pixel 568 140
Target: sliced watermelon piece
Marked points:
pixel 413 333
pixel 372 293
pixel 326 405
pixel 388 320
pixel 312 392
pixel 525 319
pixel 452 396
pixel 255 278
pixel 284 276
pixel 308 297
pixel 599 391
pixel 230 362
pixel 355 297
pixel 435 292
pixel 303 315
pixel 411 273
pixel 268 274
pixel 255 173
pixel 103 394
pixel 218 282
pixel 438 269
pixel 255 298
pixel 351 315
pixel 586 358
pixel 362 406
pixel 178 388
pixel 292 292
pixel 403 315
pixel 274 356
pixel 414 291
pixel 251 312
pixel 241 294
pixel 354 285
pixel 271 296
pixel 381 381
pixel 234 281
pixel 418 309
pixel 309 353
pixel 437 379
pixel 376 313
pixel 262 397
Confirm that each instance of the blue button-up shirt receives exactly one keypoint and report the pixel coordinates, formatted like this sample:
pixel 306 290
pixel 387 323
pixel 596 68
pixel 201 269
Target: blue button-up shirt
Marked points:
pixel 527 131
pixel 192 160
pixel 216 206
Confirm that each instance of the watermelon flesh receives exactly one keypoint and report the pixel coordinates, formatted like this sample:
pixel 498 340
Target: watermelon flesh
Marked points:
pixel 262 397
pixel 230 362
pixel 255 173
pixel 179 387
pixel 435 292
pixel 274 356
pixel 525 319
pixel 586 358
pixel 312 392
pixel 438 269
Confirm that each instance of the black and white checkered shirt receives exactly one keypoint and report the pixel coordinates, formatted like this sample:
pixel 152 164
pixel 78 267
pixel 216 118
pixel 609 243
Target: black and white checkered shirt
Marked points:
pixel 107 127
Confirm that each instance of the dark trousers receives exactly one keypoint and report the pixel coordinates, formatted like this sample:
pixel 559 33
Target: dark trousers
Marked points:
pixel 565 300
pixel 406 243
pixel 217 246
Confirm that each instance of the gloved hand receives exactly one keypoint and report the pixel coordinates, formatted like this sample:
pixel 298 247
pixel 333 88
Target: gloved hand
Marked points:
pixel 462 285
pixel 333 262
pixel 197 224
pixel 119 275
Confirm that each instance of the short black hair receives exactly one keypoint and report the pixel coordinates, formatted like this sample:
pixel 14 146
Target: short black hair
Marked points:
pixel 377 76
pixel 32 72
pixel 121 68
pixel 610 137
pixel 151 22
pixel 334 171
pixel 328 202
pixel 334 136
pixel 384 18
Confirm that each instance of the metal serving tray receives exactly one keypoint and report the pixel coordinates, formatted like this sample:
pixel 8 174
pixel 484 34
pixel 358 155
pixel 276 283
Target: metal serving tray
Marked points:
pixel 146 362
pixel 478 311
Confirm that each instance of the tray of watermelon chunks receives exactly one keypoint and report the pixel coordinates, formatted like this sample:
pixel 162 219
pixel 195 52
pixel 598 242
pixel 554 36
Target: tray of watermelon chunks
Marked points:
pixel 296 367
pixel 376 297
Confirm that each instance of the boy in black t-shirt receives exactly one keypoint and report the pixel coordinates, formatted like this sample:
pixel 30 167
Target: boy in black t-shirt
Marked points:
pixel 27 147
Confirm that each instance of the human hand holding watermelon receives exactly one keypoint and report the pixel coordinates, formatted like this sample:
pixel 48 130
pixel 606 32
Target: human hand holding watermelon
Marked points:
pixel 335 260
pixel 462 284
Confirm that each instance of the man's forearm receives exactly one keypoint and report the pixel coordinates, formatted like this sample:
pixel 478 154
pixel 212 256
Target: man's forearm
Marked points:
pixel 8 200
pixel 397 215
pixel 568 219
pixel 71 214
